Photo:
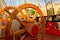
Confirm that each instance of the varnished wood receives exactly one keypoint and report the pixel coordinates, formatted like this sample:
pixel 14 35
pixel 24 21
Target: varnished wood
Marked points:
pixel 40 13
pixel 12 15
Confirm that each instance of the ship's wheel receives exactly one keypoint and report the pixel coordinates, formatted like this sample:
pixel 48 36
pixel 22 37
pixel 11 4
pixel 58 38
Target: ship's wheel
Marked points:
pixel 8 35
pixel 31 28
pixel 27 28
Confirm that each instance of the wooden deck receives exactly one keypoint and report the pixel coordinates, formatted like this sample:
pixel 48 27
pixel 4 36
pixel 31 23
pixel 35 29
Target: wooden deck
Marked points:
pixel 49 37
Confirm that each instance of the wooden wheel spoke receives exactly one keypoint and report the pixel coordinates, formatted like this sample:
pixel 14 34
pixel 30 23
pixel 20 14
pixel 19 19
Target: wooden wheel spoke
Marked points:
pixel 1 11
pixel 19 20
pixel 34 17
pixel 13 11
pixel 7 31
pixel 27 14
pixel 22 14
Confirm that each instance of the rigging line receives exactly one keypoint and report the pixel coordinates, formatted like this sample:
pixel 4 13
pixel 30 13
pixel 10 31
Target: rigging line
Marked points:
pixel 45 5
pixel 10 2
pixel 13 2
pixel 0 4
pixel 4 3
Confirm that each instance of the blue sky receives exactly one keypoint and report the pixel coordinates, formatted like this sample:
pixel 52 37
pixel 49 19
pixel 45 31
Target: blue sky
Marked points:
pixel 19 2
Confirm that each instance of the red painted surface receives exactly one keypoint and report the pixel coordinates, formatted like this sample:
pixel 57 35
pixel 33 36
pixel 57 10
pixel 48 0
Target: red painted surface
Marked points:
pixel 54 32
pixel 50 25
pixel 51 30
pixel 35 30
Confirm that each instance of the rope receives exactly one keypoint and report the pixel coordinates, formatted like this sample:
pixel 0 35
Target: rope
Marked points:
pixel 13 2
pixel 10 2
pixel 4 3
